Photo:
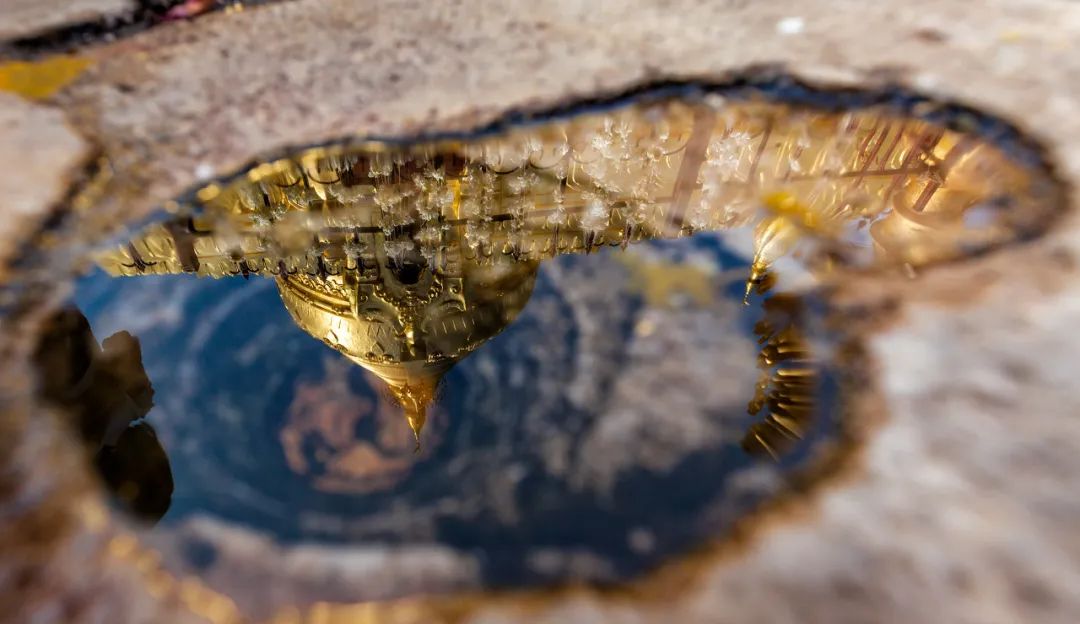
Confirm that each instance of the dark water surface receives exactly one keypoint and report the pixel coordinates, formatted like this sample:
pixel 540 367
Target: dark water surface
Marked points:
pixel 597 422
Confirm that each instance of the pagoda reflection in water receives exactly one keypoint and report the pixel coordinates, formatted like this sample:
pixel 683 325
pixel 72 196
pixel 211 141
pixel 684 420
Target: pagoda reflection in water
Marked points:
pixel 407 258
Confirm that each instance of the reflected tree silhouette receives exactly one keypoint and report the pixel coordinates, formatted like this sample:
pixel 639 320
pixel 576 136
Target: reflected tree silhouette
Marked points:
pixel 106 393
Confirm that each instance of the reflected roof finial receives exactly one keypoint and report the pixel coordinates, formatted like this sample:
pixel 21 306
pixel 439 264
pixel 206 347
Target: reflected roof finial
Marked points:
pixel 417 418
pixel 759 278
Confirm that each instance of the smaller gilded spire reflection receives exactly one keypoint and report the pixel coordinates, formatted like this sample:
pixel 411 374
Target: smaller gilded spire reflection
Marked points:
pixel 788 382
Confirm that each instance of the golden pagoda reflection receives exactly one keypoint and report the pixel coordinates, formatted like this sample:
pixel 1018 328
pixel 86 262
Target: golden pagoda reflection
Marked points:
pixel 404 322
pixel 406 258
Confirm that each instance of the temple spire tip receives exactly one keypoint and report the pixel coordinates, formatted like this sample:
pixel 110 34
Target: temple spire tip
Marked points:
pixel 757 270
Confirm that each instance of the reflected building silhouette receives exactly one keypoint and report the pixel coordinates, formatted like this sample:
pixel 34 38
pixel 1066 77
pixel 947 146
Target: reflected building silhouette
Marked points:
pixel 105 390
pixel 406 258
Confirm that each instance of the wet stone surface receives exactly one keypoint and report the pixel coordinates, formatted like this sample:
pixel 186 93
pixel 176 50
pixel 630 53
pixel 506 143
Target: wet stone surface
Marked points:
pixel 570 351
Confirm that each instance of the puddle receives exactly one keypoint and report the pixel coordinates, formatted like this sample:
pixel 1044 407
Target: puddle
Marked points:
pixel 569 351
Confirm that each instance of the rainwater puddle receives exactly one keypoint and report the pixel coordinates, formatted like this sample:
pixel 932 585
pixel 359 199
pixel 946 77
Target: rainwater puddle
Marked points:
pixel 568 351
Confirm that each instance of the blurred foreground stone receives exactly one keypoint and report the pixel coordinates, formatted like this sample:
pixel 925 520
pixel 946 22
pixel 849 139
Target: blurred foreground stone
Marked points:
pixel 28 18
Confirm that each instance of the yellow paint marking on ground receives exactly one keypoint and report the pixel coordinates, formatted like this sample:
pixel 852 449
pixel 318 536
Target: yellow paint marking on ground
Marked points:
pixel 40 80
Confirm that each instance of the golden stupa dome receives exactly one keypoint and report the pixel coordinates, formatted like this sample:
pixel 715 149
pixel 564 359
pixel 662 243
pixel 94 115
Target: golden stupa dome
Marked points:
pixel 409 318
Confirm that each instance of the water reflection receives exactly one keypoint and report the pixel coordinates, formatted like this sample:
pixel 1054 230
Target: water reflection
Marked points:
pixel 555 316
pixel 408 258
pixel 107 393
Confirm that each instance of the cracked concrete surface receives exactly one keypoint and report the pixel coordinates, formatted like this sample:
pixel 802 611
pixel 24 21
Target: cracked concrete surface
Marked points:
pixel 964 507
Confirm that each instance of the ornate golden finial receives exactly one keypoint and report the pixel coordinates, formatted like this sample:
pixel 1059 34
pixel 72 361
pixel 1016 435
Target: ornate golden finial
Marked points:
pixel 414 399
pixel 759 278
pixel 416 419
pixel 788 221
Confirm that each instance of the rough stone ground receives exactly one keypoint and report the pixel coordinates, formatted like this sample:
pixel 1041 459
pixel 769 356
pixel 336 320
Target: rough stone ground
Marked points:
pixel 27 18
pixel 41 156
pixel 964 508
